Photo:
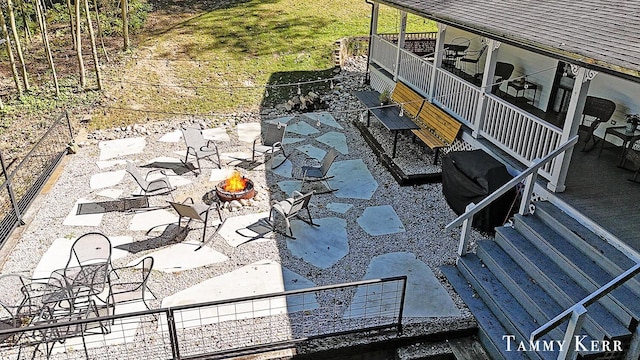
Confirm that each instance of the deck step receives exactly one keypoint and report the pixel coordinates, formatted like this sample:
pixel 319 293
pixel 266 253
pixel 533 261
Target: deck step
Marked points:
pixel 599 322
pixel 532 296
pixel 607 256
pixel 468 349
pixel 490 329
pixel 622 301
pixel 511 314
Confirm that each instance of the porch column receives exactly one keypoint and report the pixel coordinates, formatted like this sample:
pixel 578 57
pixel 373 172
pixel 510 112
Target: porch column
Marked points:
pixel 487 84
pixel 373 31
pixel 571 124
pixel 437 59
pixel 403 30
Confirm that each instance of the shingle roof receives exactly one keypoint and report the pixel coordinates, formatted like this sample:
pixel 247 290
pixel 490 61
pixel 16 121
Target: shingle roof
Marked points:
pixel 599 34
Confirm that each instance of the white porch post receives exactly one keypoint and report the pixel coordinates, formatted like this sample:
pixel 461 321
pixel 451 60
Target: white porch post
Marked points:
pixel 437 59
pixel 571 124
pixel 487 84
pixel 374 29
pixel 403 30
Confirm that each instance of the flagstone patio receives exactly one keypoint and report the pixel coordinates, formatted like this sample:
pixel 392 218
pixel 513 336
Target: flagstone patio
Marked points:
pixel 364 232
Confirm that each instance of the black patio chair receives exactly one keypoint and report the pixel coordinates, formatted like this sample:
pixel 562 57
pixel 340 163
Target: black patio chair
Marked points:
pixel 595 112
pixel 134 287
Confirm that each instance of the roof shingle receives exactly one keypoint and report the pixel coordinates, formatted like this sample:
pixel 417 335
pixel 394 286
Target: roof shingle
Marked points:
pixel 599 34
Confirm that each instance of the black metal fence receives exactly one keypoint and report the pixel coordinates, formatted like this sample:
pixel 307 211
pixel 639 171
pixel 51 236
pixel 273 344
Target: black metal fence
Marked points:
pixel 220 329
pixel 23 182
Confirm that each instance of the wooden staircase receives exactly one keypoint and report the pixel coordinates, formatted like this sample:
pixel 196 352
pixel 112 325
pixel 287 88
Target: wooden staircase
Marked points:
pixel 531 272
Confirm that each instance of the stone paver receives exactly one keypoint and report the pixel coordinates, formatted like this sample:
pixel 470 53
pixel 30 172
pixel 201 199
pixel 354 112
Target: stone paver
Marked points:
pixel 380 220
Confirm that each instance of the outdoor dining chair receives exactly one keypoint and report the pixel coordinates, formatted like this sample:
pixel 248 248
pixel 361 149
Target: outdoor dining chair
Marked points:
pixel 291 208
pixel 188 209
pixel 127 287
pixel 199 147
pixel 270 141
pixel 319 173
pixel 473 57
pixel 151 187
pixel 595 112
pixel 18 307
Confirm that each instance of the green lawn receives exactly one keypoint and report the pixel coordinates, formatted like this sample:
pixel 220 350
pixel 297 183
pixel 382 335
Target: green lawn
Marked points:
pixel 232 53
pixel 215 61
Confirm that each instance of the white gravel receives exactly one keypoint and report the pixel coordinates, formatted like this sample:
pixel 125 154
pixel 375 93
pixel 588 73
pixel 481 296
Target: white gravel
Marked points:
pixel 422 209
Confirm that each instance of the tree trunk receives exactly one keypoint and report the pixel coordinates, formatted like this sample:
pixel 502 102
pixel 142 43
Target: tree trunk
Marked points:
pixel 25 20
pixel 73 27
pixel 100 32
pixel 12 60
pixel 125 23
pixel 83 79
pixel 42 21
pixel 94 50
pixel 14 31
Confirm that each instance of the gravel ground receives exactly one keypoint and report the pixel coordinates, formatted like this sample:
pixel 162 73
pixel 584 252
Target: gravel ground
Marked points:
pixel 422 209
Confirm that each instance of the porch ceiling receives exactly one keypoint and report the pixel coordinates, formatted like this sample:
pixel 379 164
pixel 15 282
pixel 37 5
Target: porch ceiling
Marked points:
pixel 598 34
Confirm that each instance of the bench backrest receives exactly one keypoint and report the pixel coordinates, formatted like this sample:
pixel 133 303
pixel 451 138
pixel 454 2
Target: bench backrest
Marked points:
pixel 436 119
pixel 410 100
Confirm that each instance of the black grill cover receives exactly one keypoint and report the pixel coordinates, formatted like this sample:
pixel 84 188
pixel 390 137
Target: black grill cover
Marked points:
pixel 468 177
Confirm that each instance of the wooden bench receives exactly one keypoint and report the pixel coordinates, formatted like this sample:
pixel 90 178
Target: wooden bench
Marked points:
pixel 437 128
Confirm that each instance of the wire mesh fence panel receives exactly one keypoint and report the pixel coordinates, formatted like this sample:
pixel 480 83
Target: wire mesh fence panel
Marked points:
pixel 23 182
pixel 214 329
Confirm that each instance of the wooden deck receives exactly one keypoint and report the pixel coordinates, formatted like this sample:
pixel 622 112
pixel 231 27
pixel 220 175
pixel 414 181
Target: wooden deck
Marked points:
pixel 601 191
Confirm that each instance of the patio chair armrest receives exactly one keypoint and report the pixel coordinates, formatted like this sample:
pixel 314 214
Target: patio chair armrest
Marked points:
pixel 297 194
pixel 161 171
pixel 277 207
pixel 207 147
pixel 188 199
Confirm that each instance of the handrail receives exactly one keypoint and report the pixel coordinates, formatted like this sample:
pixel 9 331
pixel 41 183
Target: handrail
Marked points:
pixel 588 300
pixel 537 164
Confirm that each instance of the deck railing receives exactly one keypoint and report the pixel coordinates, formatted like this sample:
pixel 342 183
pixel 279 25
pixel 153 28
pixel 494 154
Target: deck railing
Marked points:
pixel 416 71
pixel 520 134
pixel 575 314
pixel 457 96
pixel 384 53
pixel 219 329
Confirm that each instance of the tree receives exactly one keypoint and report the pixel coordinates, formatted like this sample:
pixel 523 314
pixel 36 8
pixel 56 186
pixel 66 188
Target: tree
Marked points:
pixel 71 22
pixel 125 23
pixel 16 39
pixel 12 60
pixel 100 32
pixel 94 51
pixel 83 79
pixel 42 22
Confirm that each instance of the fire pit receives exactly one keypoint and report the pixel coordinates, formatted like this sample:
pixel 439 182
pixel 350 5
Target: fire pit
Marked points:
pixel 235 187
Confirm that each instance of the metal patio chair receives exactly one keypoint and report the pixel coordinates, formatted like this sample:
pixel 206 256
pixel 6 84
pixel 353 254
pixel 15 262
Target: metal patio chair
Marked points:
pixel 291 208
pixel 319 173
pixel 196 211
pixel 199 147
pixel 134 287
pixel 152 187
pixel 270 141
